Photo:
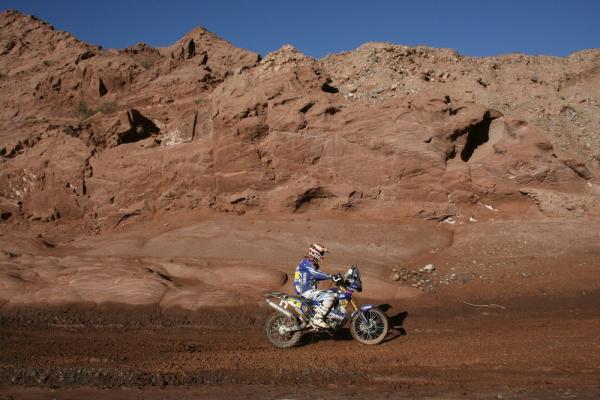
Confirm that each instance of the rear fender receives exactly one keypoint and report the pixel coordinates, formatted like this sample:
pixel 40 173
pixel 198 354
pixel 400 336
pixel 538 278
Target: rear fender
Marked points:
pixel 290 306
pixel 279 295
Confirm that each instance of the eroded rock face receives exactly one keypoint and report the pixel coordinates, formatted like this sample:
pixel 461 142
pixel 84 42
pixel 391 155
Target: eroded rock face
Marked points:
pixel 47 182
pixel 99 137
pixel 140 128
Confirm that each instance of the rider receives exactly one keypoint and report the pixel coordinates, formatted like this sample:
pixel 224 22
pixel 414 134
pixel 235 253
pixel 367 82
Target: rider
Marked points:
pixel 305 282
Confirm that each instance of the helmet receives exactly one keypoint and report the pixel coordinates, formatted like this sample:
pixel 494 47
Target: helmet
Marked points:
pixel 317 251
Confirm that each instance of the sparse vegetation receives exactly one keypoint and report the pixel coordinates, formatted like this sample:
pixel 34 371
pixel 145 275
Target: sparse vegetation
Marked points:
pixel 83 110
pixel 109 107
pixel 199 100
pixel 147 64
pixel 46 63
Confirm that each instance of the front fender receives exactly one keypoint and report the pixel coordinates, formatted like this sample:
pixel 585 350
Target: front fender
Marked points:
pixel 362 309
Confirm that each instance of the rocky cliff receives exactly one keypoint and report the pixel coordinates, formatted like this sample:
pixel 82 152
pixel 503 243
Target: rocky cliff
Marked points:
pixel 101 138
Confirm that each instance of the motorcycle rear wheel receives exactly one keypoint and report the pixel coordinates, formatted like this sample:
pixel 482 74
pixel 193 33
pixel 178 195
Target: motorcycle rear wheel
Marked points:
pixel 285 341
pixel 374 331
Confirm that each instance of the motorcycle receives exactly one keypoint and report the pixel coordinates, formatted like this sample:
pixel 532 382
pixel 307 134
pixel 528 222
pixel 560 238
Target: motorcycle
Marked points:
pixel 284 329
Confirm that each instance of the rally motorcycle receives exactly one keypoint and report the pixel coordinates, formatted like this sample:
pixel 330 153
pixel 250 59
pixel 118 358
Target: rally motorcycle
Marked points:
pixel 368 324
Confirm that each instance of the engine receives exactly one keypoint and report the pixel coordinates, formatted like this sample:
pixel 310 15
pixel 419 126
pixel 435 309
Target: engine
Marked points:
pixel 336 317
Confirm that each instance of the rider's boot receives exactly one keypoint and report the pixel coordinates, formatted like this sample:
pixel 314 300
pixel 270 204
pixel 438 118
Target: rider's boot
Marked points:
pixel 319 318
pixel 322 311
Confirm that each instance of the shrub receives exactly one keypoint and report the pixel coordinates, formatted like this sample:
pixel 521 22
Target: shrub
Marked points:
pixel 147 64
pixel 109 107
pixel 84 111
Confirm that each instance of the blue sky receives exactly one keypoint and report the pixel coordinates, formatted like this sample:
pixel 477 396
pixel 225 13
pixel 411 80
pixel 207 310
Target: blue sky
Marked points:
pixel 475 28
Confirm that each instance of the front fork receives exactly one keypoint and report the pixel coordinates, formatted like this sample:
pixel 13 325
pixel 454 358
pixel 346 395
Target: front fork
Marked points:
pixel 359 311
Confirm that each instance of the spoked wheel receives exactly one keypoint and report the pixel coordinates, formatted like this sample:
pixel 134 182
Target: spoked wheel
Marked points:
pixel 282 340
pixel 371 331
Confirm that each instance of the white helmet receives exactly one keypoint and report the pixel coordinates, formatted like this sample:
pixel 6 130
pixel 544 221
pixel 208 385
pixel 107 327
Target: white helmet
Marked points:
pixel 317 251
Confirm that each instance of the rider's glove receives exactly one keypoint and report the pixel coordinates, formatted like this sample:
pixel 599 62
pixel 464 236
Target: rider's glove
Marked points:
pixel 337 278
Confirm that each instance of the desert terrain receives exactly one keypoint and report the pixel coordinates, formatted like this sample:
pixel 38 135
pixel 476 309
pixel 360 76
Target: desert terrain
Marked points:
pixel 149 197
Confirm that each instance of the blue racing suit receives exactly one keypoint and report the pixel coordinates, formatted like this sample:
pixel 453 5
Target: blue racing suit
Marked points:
pixel 305 282
pixel 307 275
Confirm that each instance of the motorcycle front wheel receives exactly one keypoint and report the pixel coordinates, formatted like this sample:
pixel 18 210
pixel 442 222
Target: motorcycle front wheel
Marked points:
pixel 275 337
pixel 372 330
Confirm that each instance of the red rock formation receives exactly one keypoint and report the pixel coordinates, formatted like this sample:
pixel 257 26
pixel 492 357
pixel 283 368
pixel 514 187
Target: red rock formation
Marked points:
pixel 92 136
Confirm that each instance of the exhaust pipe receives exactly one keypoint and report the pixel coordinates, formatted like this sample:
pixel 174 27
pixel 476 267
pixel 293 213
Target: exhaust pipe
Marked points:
pixel 277 307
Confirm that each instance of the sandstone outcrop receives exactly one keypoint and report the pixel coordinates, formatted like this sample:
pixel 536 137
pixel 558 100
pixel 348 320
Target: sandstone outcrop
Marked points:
pixel 95 137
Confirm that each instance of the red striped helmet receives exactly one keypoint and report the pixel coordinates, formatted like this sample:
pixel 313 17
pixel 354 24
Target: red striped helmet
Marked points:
pixel 317 251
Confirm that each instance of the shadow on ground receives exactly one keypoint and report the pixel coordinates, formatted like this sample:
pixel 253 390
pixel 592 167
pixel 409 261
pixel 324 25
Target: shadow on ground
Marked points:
pixel 396 322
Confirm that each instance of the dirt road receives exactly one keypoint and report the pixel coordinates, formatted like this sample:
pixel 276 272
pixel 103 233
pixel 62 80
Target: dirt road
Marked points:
pixel 185 320
pixel 548 349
